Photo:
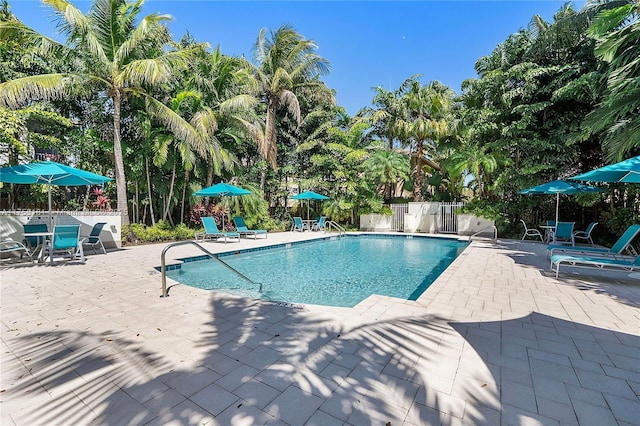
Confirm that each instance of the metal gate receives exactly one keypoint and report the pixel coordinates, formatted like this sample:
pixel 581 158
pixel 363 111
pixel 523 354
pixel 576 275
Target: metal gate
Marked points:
pixel 447 219
pixel 397 217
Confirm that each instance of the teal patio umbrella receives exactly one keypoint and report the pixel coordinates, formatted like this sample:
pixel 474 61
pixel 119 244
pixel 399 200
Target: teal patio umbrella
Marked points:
pixel 309 195
pixel 50 173
pixel 625 171
pixel 560 187
pixel 224 190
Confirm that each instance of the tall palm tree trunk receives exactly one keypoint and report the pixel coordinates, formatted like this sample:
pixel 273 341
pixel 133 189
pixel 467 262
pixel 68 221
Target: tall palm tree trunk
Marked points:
pixel 171 186
pixel 184 195
pixel 121 184
pixel 263 180
pixel 149 194
pixel 209 181
pixel 418 174
pixel 269 150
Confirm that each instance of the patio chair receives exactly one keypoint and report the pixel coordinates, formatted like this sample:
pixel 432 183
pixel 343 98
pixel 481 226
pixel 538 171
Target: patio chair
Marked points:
pixel 11 246
pixel 594 262
pixel 65 240
pixel 623 243
pixel 241 228
pixel 319 225
pixel 298 224
pixel 211 231
pixel 586 234
pixel 93 239
pixel 29 228
pixel 563 233
pixel 530 232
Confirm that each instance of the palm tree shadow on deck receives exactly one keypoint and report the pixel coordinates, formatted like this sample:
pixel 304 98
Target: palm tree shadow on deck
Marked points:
pixel 556 358
pixel 615 284
pixel 255 361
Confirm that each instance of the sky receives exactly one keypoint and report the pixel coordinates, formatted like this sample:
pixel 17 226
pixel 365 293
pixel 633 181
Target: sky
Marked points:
pixel 367 43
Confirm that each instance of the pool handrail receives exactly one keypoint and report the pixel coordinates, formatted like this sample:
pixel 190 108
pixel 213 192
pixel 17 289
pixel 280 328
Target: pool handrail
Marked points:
pixel 332 224
pixel 163 268
pixel 490 227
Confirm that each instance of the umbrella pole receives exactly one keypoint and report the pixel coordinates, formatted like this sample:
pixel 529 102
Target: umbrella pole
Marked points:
pixel 50 211
pixel 557 206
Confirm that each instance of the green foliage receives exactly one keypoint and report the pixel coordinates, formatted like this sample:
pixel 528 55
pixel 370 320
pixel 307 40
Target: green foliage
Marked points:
pixel 486 209
pixel 617 118
pixel 161 232
pixel 617 221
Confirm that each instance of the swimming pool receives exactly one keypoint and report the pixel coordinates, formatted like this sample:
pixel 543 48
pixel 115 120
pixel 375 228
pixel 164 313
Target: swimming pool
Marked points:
pixel 333 271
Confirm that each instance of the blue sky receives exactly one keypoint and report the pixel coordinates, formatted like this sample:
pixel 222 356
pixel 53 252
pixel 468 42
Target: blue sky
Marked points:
pixel 368 43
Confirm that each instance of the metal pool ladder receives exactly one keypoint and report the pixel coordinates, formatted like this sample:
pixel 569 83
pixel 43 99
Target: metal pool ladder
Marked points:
pixel 165 293
pixel 494 230
pixel 331 224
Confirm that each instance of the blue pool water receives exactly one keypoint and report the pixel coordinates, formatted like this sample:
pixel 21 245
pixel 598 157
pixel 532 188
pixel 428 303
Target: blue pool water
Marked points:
pixel 334 272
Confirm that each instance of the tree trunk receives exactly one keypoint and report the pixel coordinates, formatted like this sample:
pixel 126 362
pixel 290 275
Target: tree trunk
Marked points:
pixel 153 219
pixel 209 181
pixel 121 183
pixel 263 180
pixel 269 150
pixel 167 207
pixel 134 207
pixel 184 195
pixel 418 174
pixel 86 198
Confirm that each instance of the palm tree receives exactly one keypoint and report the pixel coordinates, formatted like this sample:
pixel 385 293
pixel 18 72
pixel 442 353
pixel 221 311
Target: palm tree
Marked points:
pixel 116 59
pixel 284 63
pixel 424 121
pixel 618 34
pixel 226 87
pixel 386 113
pixel 387 167
pixel 476 161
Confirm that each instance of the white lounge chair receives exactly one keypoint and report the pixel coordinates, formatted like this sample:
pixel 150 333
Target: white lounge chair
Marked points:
pixel 594 262
pixel 211 231
pixel 530 232
pixel 623 243
pixel 242 229
pixel 11 246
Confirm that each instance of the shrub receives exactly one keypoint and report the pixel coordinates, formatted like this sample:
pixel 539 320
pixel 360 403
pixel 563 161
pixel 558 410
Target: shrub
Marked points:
pixel 161 231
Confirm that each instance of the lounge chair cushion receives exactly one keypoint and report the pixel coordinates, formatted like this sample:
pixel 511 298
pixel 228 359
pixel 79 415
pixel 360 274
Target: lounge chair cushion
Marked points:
pixel 595 262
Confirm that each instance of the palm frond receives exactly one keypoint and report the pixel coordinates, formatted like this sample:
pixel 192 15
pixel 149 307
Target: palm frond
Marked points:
pixel 177 125
pixel 17 32
pixel 238 103
pixel 150 27
pixel 205 122
pixel 288 98
pixel 151 71
pixel 15 93
pixel 77 27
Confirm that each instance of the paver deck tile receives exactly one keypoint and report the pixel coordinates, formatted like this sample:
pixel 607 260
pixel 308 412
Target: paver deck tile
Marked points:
pixel 496 339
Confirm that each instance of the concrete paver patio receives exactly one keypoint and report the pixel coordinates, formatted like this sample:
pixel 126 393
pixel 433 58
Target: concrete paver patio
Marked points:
pixel 496 340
